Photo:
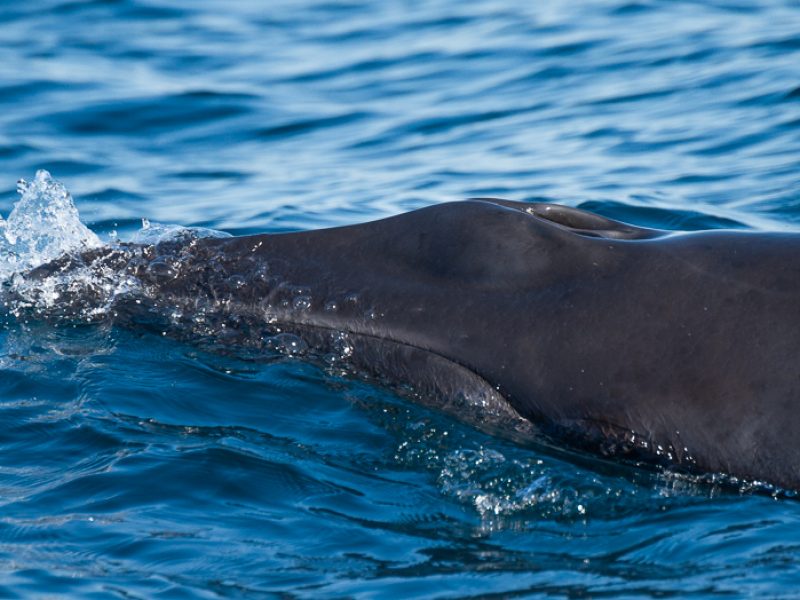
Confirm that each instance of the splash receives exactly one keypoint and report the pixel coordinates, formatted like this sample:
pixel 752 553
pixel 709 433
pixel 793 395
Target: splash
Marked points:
pixel 44 232
pixel 52 266
pixel 152 234
pixel 43 226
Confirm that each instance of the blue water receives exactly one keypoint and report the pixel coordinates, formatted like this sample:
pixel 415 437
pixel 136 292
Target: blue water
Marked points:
pixel 136 466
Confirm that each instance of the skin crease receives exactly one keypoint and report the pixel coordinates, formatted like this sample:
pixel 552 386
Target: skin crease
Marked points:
pixel 675 348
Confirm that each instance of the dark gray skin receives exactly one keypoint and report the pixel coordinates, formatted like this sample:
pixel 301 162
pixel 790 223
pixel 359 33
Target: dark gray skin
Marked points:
pixel 676 348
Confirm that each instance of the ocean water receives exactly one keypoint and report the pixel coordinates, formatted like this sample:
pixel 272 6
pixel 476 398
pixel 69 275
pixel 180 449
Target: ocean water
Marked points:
pixel 133 465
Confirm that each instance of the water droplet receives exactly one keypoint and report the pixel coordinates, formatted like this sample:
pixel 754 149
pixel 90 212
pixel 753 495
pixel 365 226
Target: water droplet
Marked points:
pixel 236 281
pixel 287 343
pixel 161 268
pixel 301 303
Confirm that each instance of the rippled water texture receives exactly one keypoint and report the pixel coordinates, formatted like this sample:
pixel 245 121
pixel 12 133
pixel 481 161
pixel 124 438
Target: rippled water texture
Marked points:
pixel 132 465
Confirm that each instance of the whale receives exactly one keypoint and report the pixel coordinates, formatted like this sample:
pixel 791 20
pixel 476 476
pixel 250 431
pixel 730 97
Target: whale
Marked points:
pixel 672 349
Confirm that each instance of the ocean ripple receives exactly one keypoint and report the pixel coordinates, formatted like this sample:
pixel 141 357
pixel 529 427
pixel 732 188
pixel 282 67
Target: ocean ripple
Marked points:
pixel 136 466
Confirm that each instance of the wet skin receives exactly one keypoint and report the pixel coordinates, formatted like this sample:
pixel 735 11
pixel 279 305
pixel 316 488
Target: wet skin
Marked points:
pixel 679 349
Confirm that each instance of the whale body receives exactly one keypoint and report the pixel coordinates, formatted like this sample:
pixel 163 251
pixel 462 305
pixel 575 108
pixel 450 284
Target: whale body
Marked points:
pixel 678 349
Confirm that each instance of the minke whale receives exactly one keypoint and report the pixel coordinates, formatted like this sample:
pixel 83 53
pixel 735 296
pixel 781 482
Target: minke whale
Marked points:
pixel 674 349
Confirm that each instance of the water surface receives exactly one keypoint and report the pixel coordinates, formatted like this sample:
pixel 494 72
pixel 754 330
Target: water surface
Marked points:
pixel 136 466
